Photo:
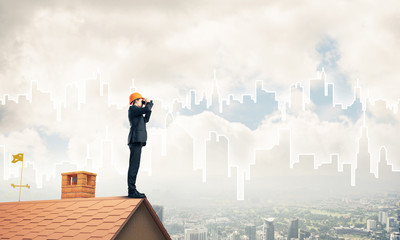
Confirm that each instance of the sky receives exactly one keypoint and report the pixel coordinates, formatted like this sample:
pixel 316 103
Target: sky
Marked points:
pixel 171 48
pixel 168 49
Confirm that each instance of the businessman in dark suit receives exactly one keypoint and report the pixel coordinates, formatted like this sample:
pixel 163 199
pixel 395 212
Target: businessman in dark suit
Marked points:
pixel 139 114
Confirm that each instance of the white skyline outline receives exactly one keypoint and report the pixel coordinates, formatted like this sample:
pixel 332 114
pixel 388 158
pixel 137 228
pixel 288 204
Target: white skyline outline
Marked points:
pixel 245 173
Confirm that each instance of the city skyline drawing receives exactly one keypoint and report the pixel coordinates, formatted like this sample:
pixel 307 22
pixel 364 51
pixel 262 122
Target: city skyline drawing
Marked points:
pixel 225 124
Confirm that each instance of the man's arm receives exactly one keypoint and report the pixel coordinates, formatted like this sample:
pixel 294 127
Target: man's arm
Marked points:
pixel 149 105
pixel 136 111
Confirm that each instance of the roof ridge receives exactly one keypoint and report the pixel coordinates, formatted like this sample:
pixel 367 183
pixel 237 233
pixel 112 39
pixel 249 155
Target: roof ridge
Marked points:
pixel 66 200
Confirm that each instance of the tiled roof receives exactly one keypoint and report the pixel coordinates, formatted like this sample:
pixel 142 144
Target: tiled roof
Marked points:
pixel 75 218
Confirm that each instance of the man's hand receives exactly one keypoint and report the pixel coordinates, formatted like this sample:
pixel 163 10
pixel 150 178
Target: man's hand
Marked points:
pixel 146 100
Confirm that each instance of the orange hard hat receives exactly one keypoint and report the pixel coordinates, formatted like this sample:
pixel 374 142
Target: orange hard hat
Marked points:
pixel 134 96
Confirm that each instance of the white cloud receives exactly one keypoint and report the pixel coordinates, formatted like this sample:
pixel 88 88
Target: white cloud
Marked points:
pixel 29 142
pixel 168 49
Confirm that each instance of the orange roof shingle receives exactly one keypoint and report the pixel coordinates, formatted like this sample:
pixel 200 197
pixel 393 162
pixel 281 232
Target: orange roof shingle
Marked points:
pixel 73 218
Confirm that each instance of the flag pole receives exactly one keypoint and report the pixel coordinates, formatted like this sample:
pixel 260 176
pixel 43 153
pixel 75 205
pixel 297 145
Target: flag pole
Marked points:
pixel 20 182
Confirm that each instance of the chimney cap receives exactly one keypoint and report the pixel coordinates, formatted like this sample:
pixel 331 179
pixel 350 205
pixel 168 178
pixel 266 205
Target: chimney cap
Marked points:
pixel 78 172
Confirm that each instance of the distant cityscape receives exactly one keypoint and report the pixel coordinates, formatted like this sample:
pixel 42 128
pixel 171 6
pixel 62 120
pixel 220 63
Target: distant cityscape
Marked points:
pixel 377 217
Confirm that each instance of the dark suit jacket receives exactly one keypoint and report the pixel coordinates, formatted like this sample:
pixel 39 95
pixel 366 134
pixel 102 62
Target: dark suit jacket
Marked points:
pixel 138 122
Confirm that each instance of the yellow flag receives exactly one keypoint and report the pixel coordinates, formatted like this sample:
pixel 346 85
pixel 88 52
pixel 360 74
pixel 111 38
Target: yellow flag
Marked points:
pixel 18 157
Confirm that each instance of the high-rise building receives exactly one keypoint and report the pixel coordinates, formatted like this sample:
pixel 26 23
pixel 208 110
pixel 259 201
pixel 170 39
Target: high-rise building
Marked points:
pixel 235 236
pixel 268 227
pixel 293 231
pixel 398 220
pixel 371 224
pixel 391 224
pixel 196 234
pixel 383 217
pixel 250 232
pixel 159 211
pixel 260 235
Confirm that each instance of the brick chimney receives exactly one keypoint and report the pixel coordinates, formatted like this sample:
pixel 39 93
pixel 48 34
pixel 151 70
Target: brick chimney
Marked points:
pixel 78 184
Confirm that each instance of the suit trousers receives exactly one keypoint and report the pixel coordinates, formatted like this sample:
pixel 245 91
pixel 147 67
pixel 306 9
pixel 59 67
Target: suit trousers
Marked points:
pixel 134 163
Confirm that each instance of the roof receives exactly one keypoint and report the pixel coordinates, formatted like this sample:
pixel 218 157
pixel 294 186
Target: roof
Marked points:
pixel 74 218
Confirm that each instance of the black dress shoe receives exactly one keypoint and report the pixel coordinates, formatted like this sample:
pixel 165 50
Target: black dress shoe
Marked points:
pixel 135 195
pixel 139 193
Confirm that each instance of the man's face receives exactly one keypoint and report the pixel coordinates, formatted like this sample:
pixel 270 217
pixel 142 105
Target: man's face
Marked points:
pixel 138 103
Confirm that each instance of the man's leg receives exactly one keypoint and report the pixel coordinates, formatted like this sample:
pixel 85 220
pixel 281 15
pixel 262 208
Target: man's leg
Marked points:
pixel 134 163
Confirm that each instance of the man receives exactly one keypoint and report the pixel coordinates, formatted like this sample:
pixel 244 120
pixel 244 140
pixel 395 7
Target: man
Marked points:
pixel 137 138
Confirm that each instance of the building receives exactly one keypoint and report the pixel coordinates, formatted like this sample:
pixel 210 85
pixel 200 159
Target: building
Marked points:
pixel 383 217
pixel 371 224
pixel 395 236
pixel 235 236
pixel 160 211
pixel 79 215
pixel 268 228
pixel 196 233
pixel 398 220
pixel 260 235
pixel 352 230
pixel 250 231
pixel 293 231
pixel 391 224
